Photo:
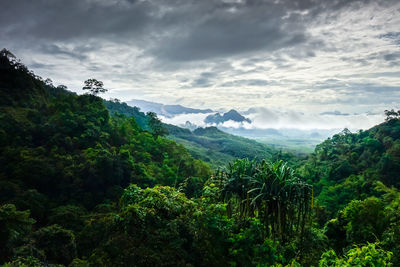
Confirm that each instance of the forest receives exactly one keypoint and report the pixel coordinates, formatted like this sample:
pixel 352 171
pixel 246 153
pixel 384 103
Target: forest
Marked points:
pixel 90 182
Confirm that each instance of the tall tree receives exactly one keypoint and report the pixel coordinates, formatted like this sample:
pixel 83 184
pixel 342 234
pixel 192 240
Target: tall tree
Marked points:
pixel 156 125
pixel 94 86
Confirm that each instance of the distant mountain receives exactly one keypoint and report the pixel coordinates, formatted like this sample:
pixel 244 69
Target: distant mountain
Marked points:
pixel 209 144
pixel 232 115
pixel 164 110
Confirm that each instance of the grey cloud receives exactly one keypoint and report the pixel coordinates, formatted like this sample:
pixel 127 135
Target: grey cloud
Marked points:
pixel 212 43
pixel 379 89
pixel 39 65
pixel 393 36
pixel 230 35
pixel 60 20
pixel 247 82
pixel 335 113
pixel 204 80
pixel 347 87
pixel 178 30
pixel 53 49
pixel 392 56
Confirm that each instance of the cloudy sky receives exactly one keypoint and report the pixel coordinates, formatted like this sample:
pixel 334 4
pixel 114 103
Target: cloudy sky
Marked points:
pixel 303 56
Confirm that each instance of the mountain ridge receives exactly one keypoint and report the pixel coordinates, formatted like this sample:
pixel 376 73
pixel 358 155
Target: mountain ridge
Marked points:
pixel 231 115
pixel 164 110
pixel 209 144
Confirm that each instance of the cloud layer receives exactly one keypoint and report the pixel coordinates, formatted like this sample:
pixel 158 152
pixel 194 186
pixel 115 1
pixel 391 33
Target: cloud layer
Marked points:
pixel 265 118
pixel 311 56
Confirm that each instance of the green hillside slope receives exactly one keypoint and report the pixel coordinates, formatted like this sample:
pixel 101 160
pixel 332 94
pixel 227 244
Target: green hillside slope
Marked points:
pixel 67 147
pixel 346 166
pixel 208 144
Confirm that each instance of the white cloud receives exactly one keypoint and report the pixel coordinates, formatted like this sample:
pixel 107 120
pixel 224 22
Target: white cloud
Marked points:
pixel 263 118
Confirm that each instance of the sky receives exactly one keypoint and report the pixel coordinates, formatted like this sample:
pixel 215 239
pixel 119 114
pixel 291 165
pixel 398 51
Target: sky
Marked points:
pixel 325 61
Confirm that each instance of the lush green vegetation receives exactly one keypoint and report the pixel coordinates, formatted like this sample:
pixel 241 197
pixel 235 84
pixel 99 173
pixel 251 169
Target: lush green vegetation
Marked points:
pixel 210 144
pixel 87 182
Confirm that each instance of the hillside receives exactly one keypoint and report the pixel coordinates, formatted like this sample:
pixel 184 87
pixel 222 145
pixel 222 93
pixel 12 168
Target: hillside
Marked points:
pixel 207 144
pixel 68 149
pixel 348 165
pixel 217 147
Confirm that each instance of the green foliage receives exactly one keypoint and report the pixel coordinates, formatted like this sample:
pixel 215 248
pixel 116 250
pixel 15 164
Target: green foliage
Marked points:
pixel 74 148
pixel 209 144
pixel 94 86
pixel 15 226
pixel 249 248
pixel 116 107
pixel 57 243
pixel 25 262
pixel 64 157
pixel 156 125
pixel 366 220
pixel 368 255
pixel 346 166
pixel 391 236
pixel 360 222
pixel 219 148
pixel 271 192
pixel 69 217
pixel 337 196
pixel 391 114
pixel 159 227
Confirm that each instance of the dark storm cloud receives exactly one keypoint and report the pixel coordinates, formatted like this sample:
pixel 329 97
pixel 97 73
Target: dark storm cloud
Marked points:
pixel 206 79
pixel 77 53
pixel 174 30
pixel 63 20
pixel 230 31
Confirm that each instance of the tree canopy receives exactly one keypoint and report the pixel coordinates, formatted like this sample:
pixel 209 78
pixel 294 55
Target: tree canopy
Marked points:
pixel 94 86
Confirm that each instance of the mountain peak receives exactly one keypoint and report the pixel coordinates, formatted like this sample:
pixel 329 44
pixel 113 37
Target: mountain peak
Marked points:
pixel 232 115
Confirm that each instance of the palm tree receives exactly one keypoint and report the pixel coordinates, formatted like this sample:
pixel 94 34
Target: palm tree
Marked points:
pixel 237 185
pixel 271 192
pixel 282 200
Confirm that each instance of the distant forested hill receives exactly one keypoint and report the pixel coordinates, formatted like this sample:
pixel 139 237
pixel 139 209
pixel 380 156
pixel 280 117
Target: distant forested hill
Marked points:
pixel 208 144
pixel 117 107
pixel 347 166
